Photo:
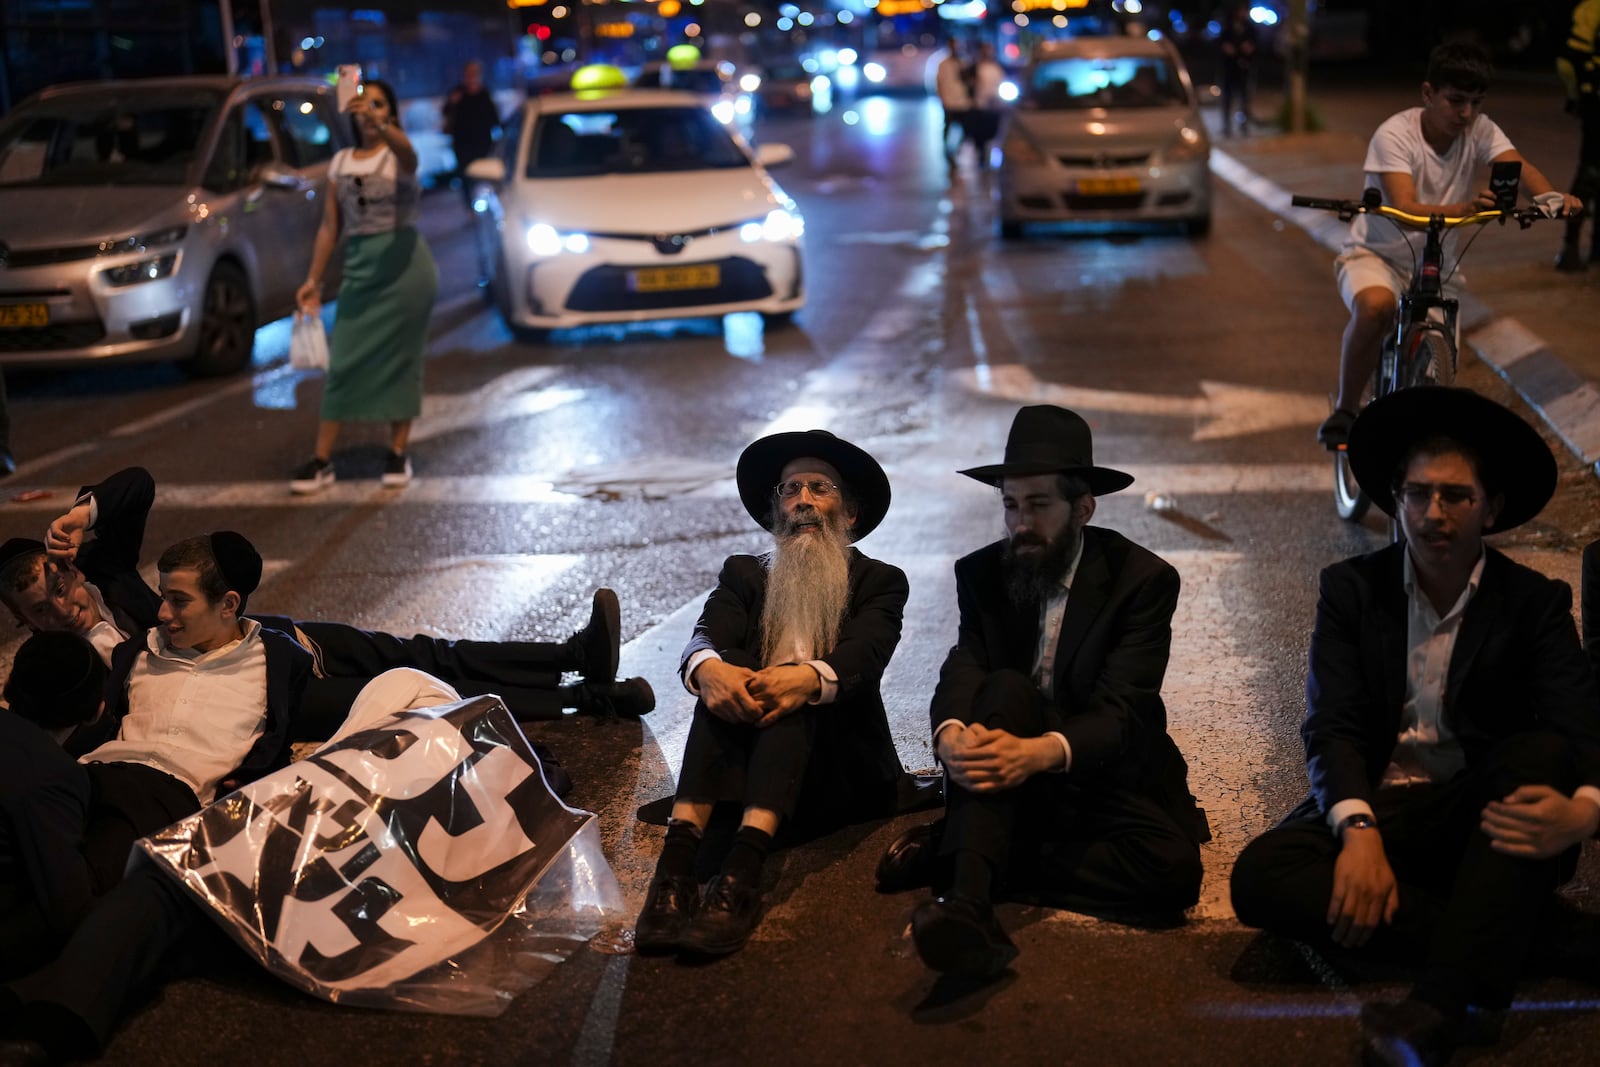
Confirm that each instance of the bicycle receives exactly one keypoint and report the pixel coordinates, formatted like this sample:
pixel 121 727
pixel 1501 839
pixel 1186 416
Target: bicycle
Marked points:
pixel 1421 350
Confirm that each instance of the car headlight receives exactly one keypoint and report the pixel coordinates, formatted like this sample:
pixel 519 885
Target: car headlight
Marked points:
pixel 146 270
pixel 779 225
pixel 1008 92
pixel 723 109
pixel 169 236
pixel 1017 149
pixel 1190 145
pixel 545 240
pixel 874 72
pixel 750 82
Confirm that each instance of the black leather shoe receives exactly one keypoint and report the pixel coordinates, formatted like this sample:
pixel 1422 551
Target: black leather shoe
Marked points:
pixel 598 645
pixel 627 699
pixel 728 916
pixel 909 862
pixel 1413 1033
pixel 955 935
pixel 672 902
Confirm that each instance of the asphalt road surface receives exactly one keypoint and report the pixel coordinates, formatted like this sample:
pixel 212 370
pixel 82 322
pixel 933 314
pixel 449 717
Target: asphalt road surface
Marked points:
pixel 605 458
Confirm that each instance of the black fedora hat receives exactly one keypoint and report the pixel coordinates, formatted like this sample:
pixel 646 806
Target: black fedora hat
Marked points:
pixel 762 463
pixel 1514 458
pixel 1045 439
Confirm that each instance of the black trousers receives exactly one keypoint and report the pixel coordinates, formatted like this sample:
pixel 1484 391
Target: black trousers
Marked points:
pixel 145 931
pixel 1467 912
pixel 1094 848
pixel 525 674
pixel 753 766
pixel 1586 179
pixel 129 801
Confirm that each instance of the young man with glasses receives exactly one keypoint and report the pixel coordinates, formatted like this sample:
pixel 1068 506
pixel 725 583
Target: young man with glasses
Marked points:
pixel 786 661
pixel 1452 736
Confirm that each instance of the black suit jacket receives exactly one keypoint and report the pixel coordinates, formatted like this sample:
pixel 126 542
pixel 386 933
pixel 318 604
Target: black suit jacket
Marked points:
pixel 1116 635
pixel 44 806
pixel 1517 666
pixel 854 770
pixel 288 670
pixel 109 559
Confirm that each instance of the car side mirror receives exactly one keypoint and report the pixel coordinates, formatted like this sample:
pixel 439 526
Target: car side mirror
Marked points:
pixel 487 169
pixel 774 155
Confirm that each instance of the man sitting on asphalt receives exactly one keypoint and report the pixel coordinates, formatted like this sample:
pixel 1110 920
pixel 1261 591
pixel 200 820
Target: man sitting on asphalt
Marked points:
pixel 786 660
pixel 1451 734
pixel 85 578
pixel 57 684
pixel 1062 783
pixel 1427 161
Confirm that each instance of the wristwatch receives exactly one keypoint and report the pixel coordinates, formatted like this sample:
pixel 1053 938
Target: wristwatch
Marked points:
pixel 1359 821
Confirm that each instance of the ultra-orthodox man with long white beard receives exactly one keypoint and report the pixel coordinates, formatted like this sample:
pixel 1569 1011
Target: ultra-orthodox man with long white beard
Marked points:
pixel 786 662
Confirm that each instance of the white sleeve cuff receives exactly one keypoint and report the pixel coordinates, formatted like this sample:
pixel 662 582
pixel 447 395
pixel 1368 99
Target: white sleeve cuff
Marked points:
pixel 690 667
pixel 1066 752
pixel 1589 793
pixel 1344 809
pixel 828 692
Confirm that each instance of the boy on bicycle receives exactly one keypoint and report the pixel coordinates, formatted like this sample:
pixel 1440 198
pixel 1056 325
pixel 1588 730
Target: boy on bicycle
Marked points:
pixel 1426 161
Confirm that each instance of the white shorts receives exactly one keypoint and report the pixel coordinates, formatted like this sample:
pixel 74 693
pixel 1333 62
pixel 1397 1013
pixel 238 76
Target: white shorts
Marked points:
pixel 1362 268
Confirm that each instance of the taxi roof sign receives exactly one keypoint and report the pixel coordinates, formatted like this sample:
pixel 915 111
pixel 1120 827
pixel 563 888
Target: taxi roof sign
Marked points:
pixel 683 56
pixel 598 76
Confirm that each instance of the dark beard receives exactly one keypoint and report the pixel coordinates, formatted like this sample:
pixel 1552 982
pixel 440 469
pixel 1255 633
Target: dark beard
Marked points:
pixel 1033 579
pixel 808 588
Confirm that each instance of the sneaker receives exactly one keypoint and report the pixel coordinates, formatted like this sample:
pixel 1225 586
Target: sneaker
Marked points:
pixel 628 698
pixel 1334 433
pixel 312 477
pixel 397 471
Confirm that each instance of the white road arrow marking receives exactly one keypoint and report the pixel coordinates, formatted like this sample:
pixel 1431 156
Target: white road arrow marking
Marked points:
pixel 1224 410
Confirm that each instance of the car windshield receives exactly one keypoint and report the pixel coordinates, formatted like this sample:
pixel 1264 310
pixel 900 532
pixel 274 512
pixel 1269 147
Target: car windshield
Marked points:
pixel 705 82
pixel 1083 82
pixel 638 141
pixel 128 139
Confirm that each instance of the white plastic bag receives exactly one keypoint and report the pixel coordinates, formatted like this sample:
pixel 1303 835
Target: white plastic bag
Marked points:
pixel 308 343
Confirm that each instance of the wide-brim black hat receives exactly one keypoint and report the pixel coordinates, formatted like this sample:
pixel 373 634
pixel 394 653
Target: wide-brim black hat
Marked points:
pixel 1515 460
pixel 1046 439
pixel 762 463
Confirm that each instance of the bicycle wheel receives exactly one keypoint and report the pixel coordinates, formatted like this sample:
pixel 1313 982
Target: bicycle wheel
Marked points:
pixel 1430 359
pixel 1348 499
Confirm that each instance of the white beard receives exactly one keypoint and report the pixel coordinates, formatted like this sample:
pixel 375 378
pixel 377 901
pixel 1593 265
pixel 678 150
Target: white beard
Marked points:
pixel 808 590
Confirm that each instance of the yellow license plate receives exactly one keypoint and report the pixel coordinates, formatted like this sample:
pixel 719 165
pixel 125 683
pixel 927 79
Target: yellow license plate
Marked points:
pixel 1108 186
pixel 20 315
pixel 666 279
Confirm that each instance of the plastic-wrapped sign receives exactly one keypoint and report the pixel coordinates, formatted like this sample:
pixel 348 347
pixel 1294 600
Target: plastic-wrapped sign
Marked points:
pixel 375 870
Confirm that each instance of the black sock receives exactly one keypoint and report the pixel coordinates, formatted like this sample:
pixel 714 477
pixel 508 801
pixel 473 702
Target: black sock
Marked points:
pixel 749 852
pixel 974 876
pixel 678 853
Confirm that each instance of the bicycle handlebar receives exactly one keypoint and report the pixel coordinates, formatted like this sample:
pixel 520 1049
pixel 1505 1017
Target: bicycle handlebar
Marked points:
pixel 1349 209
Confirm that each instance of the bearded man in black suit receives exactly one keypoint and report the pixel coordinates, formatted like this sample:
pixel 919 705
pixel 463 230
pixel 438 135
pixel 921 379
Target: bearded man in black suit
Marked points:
pixel 1061 780
pixel 1451 734
pixel 786 661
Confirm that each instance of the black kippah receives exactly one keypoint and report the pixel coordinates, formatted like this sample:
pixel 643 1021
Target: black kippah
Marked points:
pixel 238 561
pixel 19 546
pixel 56 680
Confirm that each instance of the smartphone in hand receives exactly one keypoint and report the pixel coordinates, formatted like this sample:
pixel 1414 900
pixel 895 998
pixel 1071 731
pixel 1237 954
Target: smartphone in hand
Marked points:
pixel 1504 180
pixel 349 85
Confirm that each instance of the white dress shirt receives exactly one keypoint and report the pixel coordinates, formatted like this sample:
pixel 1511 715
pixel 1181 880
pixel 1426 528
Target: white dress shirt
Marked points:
pixel 193 715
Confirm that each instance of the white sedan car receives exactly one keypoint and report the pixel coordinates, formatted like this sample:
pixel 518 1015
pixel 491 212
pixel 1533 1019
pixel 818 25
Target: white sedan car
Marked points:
pixel 633 205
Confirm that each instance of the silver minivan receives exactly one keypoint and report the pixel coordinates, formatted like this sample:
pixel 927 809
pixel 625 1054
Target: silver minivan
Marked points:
pixel 159 219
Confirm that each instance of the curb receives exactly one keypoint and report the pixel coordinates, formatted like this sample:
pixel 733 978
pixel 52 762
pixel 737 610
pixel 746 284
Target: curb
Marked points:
pixel 1568 403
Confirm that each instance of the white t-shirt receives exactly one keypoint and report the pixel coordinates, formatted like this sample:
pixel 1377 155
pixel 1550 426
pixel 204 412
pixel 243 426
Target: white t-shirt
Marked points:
pixel 952 90
pixel 1398 147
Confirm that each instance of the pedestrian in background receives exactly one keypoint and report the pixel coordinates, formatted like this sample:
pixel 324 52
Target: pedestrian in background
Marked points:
pixel 375 354
pixel 983 121
pixel 1237 43
pixel 471 120
pixel 956 98
pixel 1581 74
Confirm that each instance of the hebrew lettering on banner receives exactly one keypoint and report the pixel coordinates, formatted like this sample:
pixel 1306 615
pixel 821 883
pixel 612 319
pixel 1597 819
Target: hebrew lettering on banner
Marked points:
pixel 382 855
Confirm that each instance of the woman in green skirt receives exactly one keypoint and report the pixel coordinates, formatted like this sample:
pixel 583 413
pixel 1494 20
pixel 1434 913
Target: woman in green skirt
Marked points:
pixel 375 354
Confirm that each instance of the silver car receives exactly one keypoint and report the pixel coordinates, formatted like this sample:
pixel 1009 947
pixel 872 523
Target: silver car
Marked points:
pixel 160 219
pixel 1107 129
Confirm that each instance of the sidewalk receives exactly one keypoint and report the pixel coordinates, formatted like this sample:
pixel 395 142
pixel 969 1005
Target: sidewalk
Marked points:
pixel 1531 325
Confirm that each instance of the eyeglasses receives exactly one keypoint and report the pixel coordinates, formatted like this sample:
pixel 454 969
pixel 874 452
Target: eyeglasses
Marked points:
pixel 1419 498
pixel 791 489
